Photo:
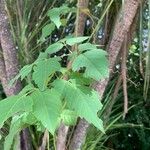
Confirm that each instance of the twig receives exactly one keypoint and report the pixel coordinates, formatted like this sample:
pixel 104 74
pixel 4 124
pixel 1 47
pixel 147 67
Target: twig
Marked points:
pixel 124 76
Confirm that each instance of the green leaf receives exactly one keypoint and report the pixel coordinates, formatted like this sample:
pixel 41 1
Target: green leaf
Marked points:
pixel 86 46
pixel 40 127
pixel 69 117
pixel 54 48
pixel 43 70
pixel 13 105
pixel 47 30
pixel 25 71
pixel 85 105
pixel 12 81
pixel 41 56
pixel 27 89
pixel 76 40
pixel 15 127
pixel 64 9
pixel 55 13
pixel 22 73
pixel 80 79
pixel 95 63
pixel 47 108
pixel 17 124
pixel 16 142
pixel 64 22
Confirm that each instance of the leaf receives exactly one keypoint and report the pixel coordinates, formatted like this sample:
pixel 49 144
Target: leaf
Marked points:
pixel 16 142
pixel 54 48
pixel 13 105
pixel 95 63
pixel 69 117
pixel 14 129
pixel 47 108
pixel 80 79
pixel 22 73
pixel 47 30
pixel 40 127
pixel 76 40
pixel 41 56
pixel 12 81
pixel 55 13
pixel 64 9
pixel 85 105
pixel 25 71
pixel 27 89
pixel 64 22
pixel 86 46
pixel 43 70
pixel 17 124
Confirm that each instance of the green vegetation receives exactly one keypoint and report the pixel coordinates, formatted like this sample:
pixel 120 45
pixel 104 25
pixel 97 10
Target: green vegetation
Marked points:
pixel 84 76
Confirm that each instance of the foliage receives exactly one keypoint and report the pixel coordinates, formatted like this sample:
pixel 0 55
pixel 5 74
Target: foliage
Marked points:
pixel 91 61
pixel 51 99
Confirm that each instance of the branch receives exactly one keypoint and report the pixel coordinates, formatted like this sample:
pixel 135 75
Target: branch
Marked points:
pixel 124 76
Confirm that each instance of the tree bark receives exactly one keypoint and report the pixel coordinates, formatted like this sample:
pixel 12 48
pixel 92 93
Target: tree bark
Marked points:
pixel 9 65
pixel 121 29
pixel 10 60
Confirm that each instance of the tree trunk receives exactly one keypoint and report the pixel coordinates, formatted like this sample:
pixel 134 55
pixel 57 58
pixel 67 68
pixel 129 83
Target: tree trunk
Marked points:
pixel 9 66
pixel 9 52
pixel 121 29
